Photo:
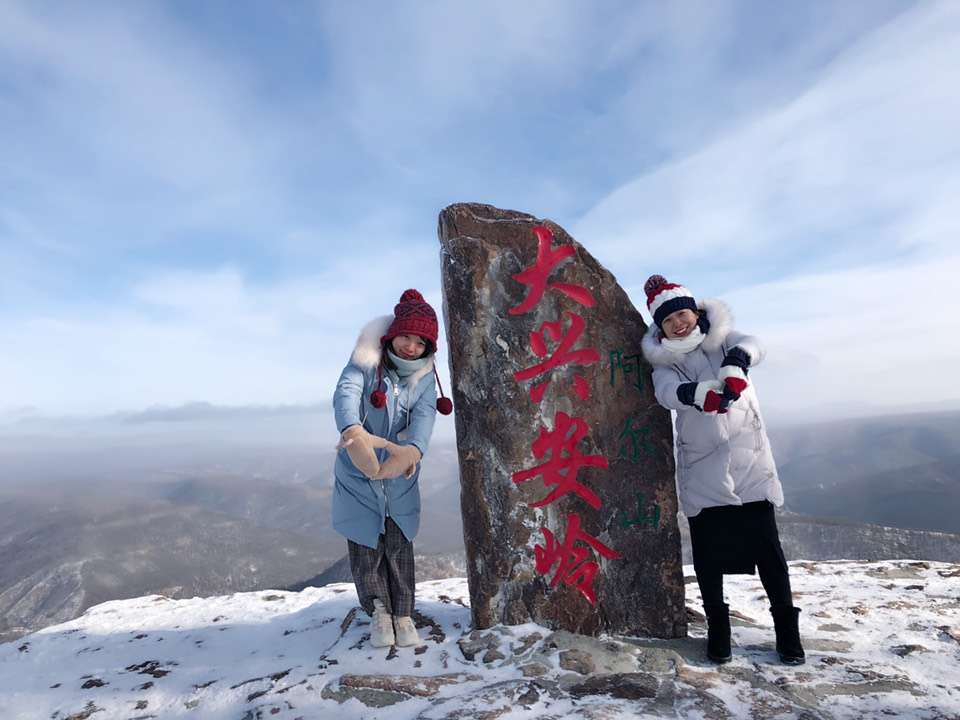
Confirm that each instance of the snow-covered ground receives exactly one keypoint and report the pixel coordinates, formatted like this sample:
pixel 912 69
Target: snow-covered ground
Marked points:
pixel 883 639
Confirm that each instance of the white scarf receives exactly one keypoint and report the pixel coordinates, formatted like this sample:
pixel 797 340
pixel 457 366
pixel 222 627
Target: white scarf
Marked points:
pixel 684 345
pixel 406 368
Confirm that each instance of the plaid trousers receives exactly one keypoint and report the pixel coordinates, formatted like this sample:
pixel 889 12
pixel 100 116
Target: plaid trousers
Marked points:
pixel 385 573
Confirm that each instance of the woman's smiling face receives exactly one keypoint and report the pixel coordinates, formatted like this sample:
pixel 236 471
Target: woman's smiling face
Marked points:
pixel 409 347
pixel 679 324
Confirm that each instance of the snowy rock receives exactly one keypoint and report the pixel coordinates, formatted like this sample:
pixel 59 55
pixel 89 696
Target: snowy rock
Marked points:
pixel 492 702
pixel 384 690
pixel 605 656
pixel 308 655
pixel 493 655
pixel 526 642
pixel 578 661
pixel 627 686
pixel 588 369
pixel 534 669
pixel 371 697
pixel 479 642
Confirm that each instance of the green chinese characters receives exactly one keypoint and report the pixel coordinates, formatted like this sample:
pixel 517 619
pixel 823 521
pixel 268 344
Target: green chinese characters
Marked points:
pixel 629 366
pixel 646 516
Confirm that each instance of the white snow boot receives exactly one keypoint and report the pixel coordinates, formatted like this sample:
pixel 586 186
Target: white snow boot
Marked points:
pixel 381 627
pixel 406 631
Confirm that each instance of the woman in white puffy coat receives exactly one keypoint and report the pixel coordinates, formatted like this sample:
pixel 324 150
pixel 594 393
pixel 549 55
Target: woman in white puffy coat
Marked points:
pixel 726 475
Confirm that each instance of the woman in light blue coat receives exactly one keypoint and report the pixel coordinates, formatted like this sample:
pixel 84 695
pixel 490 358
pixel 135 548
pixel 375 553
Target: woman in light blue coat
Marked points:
pixel 385 405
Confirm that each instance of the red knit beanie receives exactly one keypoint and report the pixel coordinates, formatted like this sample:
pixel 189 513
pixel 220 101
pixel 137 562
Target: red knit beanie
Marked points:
pixel 412 316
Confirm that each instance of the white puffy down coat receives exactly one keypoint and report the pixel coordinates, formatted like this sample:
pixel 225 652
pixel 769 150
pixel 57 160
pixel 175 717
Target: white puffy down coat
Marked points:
pixel 721 459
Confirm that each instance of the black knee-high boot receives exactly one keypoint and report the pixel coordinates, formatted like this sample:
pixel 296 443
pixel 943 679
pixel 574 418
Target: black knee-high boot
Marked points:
pixel 786 623
pixel 718 632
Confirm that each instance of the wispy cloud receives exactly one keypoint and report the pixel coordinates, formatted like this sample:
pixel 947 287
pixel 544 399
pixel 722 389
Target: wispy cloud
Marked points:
pixel 187 336
pixel 196 210
pixel 875 339
pixel 828 223
pixel 861 163
pixel 123 100
pixel 193 412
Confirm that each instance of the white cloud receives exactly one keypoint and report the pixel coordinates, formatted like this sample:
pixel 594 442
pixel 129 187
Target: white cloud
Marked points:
pixel 879 338
pixel 869 155
pixel 133 130
pixel 121 114
pixel 410 75
pixel 412 63
pixel 184 336
pixel 847 194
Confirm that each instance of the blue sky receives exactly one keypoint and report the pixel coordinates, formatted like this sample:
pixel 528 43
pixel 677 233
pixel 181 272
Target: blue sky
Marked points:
pixel 205 201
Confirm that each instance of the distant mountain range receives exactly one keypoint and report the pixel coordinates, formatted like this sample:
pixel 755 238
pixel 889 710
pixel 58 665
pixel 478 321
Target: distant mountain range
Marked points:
pixel 56 560
pixel 428 567
pixel 812 538
pixel 207 521
pixel 901 471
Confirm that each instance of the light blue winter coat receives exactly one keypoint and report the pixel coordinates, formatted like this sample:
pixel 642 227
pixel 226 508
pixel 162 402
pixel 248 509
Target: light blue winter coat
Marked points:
pixel 361 505
pixel 721 459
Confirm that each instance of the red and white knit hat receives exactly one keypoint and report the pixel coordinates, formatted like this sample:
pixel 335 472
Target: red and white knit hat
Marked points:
pixel 665 297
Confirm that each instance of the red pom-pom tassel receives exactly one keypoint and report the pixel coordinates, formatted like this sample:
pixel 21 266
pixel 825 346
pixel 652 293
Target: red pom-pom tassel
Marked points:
pixel 444 404
pixel 411 295
pixel 378 398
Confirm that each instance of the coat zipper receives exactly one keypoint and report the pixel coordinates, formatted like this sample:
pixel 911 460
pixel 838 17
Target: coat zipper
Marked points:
pixel 383 481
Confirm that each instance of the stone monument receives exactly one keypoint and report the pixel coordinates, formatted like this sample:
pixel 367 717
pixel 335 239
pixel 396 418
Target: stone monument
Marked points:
pixel 566 460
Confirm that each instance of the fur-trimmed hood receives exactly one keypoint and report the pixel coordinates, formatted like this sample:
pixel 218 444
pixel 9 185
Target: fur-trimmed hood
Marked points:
pixel 368 351
pixel 721 323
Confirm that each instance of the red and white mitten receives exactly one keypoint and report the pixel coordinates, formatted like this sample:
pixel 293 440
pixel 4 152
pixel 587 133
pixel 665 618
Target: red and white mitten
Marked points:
pixel 733 373
pixel 734 380
pixel 705 396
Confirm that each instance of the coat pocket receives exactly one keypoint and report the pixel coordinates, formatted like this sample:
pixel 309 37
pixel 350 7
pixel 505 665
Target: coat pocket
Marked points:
pixel 688 456
pixel 699 434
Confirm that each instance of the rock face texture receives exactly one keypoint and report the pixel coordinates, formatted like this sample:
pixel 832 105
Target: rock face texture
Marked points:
pixel 566 459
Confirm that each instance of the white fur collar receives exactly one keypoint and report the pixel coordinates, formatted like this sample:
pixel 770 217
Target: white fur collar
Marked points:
pixel 721 323
pixel 368 351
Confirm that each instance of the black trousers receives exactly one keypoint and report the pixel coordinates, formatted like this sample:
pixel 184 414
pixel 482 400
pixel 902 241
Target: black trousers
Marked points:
pixel 385 573
pixel 735 539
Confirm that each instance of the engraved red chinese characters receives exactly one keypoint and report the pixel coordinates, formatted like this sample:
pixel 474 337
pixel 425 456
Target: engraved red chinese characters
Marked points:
pixel 562 355
pixel 536 277
pixel 574 568
pixel 565 461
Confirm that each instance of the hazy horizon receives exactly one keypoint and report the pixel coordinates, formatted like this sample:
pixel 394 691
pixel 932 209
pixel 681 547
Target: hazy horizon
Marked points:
pixel 310 423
